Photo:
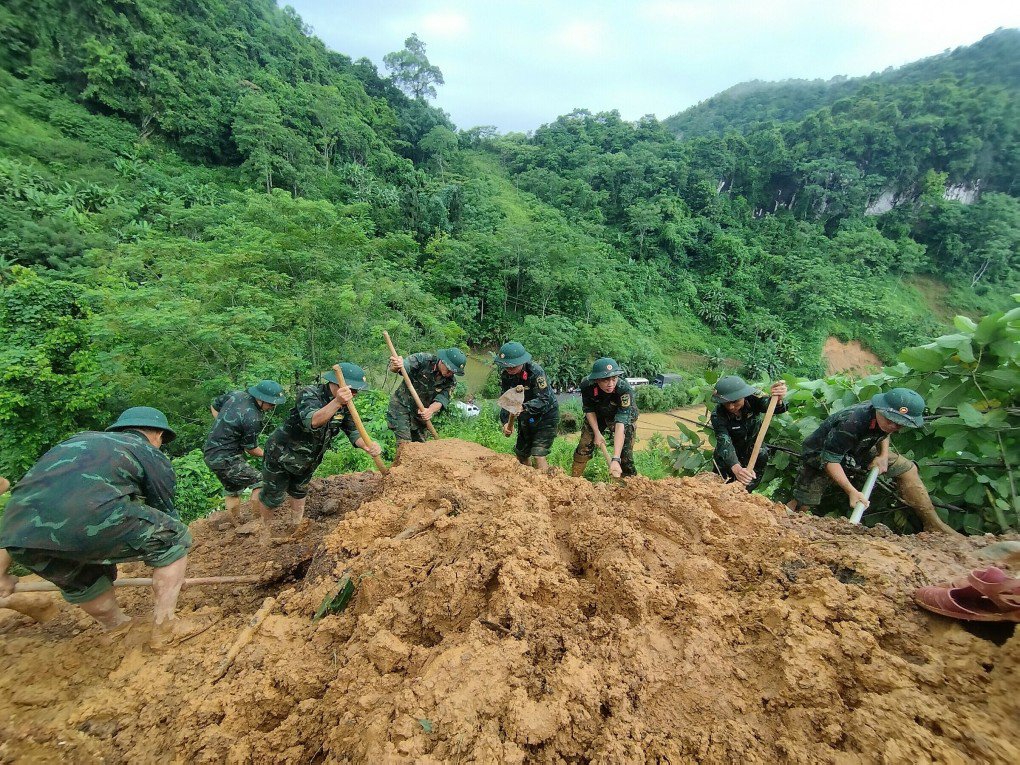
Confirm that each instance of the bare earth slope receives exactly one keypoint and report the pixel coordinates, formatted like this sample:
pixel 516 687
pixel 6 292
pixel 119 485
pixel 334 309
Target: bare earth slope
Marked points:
pixel 546 620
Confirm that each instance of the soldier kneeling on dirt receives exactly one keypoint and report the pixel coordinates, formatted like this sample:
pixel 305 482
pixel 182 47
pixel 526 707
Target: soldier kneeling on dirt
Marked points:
pixel 236 431
pixel 296 448
pixel 537 423
pixel 607 401
pixel 96 500
pixel 859 435
pixel 736 422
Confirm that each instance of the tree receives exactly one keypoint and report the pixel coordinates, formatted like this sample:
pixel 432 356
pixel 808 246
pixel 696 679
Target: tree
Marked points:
pixel 411 70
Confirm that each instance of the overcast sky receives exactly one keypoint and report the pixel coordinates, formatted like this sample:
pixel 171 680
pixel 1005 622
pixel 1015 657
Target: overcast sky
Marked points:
pixel 518 64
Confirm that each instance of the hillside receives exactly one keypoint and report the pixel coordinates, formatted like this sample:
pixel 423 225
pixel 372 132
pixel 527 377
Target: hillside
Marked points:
pixel 195 195
pixel 542 619
pixel 990 62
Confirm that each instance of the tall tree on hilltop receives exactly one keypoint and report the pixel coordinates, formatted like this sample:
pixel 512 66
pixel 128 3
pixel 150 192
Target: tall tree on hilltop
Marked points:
pixel 411 70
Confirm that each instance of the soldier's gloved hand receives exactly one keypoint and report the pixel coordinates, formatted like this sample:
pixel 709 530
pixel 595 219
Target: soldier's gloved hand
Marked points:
pixel 396 363
pixel 7 582
pixel 344 395
pixel 743 475
pixel 779 389
pixel 855 497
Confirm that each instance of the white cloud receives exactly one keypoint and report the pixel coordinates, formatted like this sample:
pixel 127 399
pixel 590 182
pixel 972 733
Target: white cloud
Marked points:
pixel 581 37
pixel 448 25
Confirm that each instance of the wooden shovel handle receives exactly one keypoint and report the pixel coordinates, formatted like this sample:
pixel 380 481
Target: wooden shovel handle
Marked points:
pixel 142 582
pixel 367 439
pixel 510 421
pixel 410 385
pixel 761 432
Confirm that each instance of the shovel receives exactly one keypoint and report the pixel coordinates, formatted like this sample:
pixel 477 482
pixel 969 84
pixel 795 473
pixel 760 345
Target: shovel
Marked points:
pixel 513 402
pixel 359 425
pixel 410 386
pixel 761 432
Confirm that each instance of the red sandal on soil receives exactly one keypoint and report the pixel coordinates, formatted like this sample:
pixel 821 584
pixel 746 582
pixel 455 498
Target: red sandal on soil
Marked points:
pixel 985 595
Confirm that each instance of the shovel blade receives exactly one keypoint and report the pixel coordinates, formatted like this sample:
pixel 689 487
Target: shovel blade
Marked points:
pixel 512 401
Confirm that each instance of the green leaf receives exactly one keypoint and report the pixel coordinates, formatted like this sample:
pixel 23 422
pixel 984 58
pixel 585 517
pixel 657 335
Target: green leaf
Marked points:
pixel 426 725
pixel 965 324
pixel 971 416
pixel 958 484
pixel 923 359
pixel 1004 379
pixel 988 328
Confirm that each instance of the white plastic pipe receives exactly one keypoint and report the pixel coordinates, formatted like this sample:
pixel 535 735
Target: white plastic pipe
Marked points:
pixel 869 484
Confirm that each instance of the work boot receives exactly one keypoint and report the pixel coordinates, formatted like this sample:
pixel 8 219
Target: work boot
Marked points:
pixel 174 631
pixel 914 493
pixel 580 463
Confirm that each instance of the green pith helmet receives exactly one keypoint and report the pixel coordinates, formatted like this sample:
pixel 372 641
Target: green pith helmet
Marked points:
pixel 511 355
pixel 901 405
pixel 268 391
pixel 354 376
pixel 454 359
pixel 144 417
pixel 603 368
pixel 731 388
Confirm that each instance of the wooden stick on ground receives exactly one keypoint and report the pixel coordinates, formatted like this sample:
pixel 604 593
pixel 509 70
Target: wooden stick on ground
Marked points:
pixel 359 424
pixel 143 582
pixel 245 637
pixel 410 386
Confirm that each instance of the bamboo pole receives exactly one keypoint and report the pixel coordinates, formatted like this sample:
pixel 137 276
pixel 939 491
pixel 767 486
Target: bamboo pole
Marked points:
pixel 367 439
pixel 410 386
pixel 143 582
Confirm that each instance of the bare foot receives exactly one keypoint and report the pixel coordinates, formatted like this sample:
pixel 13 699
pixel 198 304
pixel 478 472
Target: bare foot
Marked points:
pixel 175 631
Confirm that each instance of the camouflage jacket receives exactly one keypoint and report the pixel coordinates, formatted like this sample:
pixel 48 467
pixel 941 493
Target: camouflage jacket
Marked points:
pixel 618 406
pixel 849 433
pixel 79 488
pixel 735 433
pixel 423 369
pixel 299 446
pixel 539 399
pixel 237 426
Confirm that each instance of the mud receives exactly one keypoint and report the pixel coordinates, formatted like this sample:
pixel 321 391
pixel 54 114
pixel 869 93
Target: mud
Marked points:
pixel 539 619
pixel 849 357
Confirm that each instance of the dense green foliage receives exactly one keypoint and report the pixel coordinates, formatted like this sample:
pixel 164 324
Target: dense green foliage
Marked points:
pixel 197 195
pixel 967 453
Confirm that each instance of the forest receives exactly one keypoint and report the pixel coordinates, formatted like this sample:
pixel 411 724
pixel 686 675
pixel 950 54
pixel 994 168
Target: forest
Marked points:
pixel 196 194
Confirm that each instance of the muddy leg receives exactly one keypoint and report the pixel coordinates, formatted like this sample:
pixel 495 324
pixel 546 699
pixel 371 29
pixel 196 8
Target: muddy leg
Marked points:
pixel 166 587
pixel 106 611
pixel 914 493
pixel 37 606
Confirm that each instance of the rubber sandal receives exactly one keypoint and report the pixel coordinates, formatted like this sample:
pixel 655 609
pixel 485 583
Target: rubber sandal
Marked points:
pixel 964 603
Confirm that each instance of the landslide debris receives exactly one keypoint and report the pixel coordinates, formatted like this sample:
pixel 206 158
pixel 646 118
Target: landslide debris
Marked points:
pixel 540 619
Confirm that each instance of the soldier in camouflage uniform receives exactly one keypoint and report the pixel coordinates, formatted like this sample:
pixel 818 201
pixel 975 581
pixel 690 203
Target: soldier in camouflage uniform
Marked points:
pixel 608 402
pixel 536 425
pixel 432 375
pixel 96 500
pixel 236 430
pixel 296 448
pixel 736 422
pixel 858 436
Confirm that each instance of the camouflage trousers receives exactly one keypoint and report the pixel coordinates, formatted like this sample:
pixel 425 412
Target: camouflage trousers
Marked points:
pixel 812 481
pixel 285 472
pixel 235 474
pixel 535 439
pixel 145 534
pixel 405 423
pixel 586 445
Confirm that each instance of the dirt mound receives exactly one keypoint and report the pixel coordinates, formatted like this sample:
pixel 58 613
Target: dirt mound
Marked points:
pixel 849 357
pixel 540 619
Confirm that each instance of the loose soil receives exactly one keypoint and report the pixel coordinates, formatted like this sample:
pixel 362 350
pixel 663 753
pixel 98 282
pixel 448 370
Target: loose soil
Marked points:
pixel 542 619
pixel 849 357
